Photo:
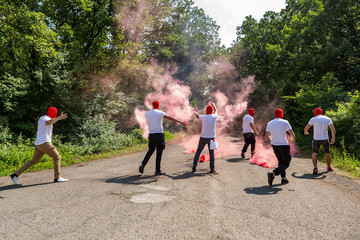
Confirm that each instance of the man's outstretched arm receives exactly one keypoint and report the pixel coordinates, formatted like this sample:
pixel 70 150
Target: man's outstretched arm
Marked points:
pixel 54 120
pixel 173 119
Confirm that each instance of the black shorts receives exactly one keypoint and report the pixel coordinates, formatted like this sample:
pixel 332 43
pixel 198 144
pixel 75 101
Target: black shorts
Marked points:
pixel 317 143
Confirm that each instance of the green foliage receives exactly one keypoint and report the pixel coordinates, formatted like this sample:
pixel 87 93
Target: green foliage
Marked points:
pixel 300 106
pixel 344 160
pixel 305 41
pixel 347 121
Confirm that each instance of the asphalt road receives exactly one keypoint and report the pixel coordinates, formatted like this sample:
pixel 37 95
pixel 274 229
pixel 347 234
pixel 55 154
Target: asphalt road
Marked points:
pixel 108 199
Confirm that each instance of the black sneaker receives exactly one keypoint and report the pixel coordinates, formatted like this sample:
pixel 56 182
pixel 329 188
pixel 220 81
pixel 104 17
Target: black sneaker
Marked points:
pixel 141 169
pixel 193 169
pixel 270 178
pixel 243 155
pixel 212 170
pixel 284 181
pixel 159 173
pixel 315 171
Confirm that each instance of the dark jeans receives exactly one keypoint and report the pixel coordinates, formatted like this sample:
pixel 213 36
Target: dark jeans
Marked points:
pixel 202 143
pixel 156 141
pixel 249 139
pixel 283 156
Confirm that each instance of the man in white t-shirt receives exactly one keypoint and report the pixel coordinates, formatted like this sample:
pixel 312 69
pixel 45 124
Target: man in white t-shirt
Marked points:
pixel 249 132
pixel 43 145
pixel 156 136
pixel 321 138
pixel 276 131
pixel 207 134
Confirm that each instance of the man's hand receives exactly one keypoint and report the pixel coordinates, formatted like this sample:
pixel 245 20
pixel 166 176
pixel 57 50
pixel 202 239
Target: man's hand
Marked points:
pixel 62 116
pixel 257 133
pixel 332 141
pixel 306 132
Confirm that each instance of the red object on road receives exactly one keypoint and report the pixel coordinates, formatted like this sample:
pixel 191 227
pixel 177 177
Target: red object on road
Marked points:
pixel 204 158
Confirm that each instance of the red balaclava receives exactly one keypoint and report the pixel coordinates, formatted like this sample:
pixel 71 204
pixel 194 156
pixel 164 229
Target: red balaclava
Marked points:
pixel 317 111
pixel 155 105
pixel 279 113
pixel 209 110
pixel 52 112
pixel 251 112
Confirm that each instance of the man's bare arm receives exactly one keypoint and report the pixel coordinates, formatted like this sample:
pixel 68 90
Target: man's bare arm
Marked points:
pixel 254 129
pixel 306 129
pixel 268 136
pixel 54 120
pixel 292 135
pixel 333 133
pixel 173 119
pixel 214 107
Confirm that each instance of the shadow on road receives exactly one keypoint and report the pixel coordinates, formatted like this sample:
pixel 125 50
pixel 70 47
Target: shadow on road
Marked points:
pixel 186 175
pixel 13 186
pixel 136 179
pixel 310 176
pixel 236 159
pixel 264 190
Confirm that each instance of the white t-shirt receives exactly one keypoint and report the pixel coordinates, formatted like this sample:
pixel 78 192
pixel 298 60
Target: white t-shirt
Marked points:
pixel 278 128
pixel 155 120
pixel 247 119
pixel 44 132
pixel 208 125
pixel 320 124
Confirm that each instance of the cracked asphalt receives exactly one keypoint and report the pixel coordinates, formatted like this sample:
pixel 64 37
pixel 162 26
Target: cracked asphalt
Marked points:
pixel 108 199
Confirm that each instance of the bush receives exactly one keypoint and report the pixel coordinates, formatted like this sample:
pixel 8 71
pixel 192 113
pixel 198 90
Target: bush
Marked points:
pixel 346 119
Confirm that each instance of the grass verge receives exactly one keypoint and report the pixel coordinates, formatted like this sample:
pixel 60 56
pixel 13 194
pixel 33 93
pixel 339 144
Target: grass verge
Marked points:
pixel 13 156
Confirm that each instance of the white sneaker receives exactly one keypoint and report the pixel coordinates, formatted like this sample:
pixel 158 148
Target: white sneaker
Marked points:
pixel 14 178
pixel 60 179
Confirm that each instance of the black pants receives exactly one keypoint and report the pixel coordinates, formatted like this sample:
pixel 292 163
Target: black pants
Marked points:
pixel 201 145
pixel 249 139
pixel 156 141
pixel 283 156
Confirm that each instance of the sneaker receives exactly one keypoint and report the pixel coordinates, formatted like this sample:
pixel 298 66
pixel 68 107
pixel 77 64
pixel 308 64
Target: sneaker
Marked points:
pixel 14 178
pixel 252 154
pixel 330 169
pixel 284 181
pixel 315 171
pixel 60 179
pixel 141 169
pixel 212 170
pixel 193 169
pixel 270 178
pixel 159 173
pixel 243 155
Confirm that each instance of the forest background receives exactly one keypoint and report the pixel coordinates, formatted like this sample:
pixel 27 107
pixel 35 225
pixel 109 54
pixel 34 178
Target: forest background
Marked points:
pixel 92 59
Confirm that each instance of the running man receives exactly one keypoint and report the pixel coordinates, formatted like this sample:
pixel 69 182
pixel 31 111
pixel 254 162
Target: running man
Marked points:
pixel 156 136
pixel 43 145
pixel 321 137
pixel 207 134
pixel 276 131
pixel 248 132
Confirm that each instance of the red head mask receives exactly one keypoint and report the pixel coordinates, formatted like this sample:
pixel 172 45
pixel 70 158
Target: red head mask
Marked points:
pixel 52 112
pixel 279 113
pixel 251 112
pixel 209 110
pixel 317 111
pixel 155 104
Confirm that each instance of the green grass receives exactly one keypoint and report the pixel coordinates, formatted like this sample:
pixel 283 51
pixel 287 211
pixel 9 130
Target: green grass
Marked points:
pixel 13 156
pixel 345 161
